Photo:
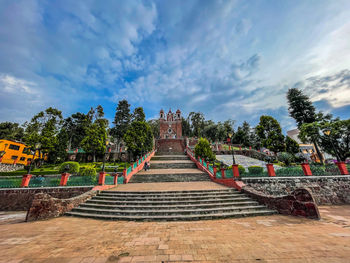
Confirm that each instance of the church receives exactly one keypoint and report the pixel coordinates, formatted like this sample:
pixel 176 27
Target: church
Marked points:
pixel 170 125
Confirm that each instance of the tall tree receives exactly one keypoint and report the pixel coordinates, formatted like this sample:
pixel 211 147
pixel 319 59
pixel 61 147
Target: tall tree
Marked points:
pixel 242 136
pixel 139 138
pixel 186 127
pixel 197 123
pixel 43 128
pixel 301 109
pixel 154 124
pixel 210 130
pixel 270 133
pixel 122 120
pixel 292 146
pixel 11 131
pixel 139 114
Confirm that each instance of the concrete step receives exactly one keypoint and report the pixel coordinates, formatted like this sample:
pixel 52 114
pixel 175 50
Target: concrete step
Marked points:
pixel 183 177
pixel 225 190
pixel 169 153
pixel 117 195
pixel 169 157
pixel 177 165
pixel 162 212
pixel 179 206
pixel 167 198
pixel 168 202
pixel 262 212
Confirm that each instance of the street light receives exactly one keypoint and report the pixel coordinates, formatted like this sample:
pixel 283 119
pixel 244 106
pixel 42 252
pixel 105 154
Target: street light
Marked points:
pixel 327 132
pixel 108 150
pixel 233 154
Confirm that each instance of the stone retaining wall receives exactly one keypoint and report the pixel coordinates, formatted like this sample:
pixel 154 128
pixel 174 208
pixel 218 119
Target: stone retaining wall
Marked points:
pixel 45 206
pixel 327 190
pixel 20 199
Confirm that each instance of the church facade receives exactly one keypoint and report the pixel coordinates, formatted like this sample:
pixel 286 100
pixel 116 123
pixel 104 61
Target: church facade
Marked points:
pixel 170 125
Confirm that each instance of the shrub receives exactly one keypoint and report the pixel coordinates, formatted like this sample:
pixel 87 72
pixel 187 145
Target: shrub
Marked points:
pixel 74 167
pixel 255 169
pixel 203 150
pixel 88 171
pixel 290 171
pixel 241 169
pixel 286 158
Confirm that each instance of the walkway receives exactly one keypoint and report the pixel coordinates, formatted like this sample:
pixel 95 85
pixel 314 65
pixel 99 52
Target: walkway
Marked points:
pixel 256 239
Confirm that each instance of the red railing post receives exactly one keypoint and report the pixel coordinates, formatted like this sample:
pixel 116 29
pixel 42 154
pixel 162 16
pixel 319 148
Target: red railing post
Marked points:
pixel 214 169
pixel 270 169
pixel 306 169
pixel 222 173
pixel 124 175
pixel 64 179
pixel 235 170
pixel 342 168
pixel 115 179
pixel 26 180
pixel 102 178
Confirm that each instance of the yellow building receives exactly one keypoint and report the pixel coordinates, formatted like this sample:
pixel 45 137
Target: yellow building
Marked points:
pixel 12 152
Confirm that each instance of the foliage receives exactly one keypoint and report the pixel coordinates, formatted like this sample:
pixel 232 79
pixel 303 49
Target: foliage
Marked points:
pixel 122 120
pixel 270 133
pixel 255 169
pixel 88 171
pixel 300 107
pixel 139 138
pixel 197 123
pixel 242 136
pixel 11 131
pixel 290 171
pixel 210 130
pixel 138 115
pixel 285 157
pixel 292 146
pixel 154 124
pixel 203 150
pixel 74 167
pixel 186 127
pixel 241 170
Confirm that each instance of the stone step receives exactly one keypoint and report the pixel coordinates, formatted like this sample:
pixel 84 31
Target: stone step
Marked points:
pixel 168 198
pixel 262 212
pixel 169 153
pixel 227 190
pixel 166 211
pixel 184 206
pixel 183 177
pixel 117 195
pixel 168 202
pixel 170 157
pixel 178 165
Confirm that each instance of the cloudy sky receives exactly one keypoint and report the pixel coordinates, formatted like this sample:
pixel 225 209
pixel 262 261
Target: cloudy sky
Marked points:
pixel 227 59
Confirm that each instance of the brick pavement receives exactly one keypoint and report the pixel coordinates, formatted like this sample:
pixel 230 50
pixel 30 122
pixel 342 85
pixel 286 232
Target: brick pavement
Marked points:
pixel 257 239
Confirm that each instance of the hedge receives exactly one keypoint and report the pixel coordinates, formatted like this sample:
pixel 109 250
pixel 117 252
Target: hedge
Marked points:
pixel 74 167
pixel 88 171
pixel 254 169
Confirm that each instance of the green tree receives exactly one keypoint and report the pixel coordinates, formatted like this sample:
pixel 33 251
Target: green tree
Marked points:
pixel 270 133
pixel 210 130
pixel 76 126
pixel 11 131
pixel 197 123
pixel 122 120
pixel 154 124
pixel 292 146
pixel 222 134
pixel 203 150
pixel 139 114
pixel 139 138
pixel 186 127
pixel 302 111
pixel 43 128
pixel 242 136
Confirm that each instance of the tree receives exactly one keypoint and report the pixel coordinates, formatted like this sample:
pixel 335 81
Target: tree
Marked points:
pixel 154 124
pixel 139 138
pixel 11 131
pixel 197 123
pixel 43 128
pixel 242 136
pixel 210 130
pixel 76 126
pixel 186 127
pixel 292 146
pixel 122 120
pixel 301 109
pixel 203 150
pixel 139 114
pixel 270 133
pixel 221 132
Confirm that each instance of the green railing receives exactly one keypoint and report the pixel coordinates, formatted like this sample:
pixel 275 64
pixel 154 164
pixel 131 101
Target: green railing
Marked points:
pixel 10 183
pixel 44 182
pixel 109 180
pixel 82 180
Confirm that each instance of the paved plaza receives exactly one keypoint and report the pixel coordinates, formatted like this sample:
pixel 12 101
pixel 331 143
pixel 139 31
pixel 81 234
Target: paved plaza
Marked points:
pixel 257 239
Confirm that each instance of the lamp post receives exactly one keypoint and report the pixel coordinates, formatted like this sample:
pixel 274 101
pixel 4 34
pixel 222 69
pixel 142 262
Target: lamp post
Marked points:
pixel 327 132
pixel 233 153
pixel 36 148
pixel 108 150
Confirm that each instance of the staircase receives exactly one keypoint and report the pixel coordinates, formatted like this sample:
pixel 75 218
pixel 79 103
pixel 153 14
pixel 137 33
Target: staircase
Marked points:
pixel 215 202
pixel 170 168
pixel 170 205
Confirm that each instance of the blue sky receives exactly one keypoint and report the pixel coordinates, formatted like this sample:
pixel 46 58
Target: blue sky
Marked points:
pixel 227 59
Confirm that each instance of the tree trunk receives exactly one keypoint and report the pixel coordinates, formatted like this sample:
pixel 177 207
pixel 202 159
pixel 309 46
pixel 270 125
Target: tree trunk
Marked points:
pixel 318 152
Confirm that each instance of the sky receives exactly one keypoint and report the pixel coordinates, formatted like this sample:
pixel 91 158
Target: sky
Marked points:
pixel 227 59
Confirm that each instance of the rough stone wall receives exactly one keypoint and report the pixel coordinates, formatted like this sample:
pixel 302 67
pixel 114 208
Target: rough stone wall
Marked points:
pixel 20 199
pixel 176 145
pixel 325 190
pixel 45 206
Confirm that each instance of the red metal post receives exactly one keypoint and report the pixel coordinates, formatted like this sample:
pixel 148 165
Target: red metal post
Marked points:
pixel 26 180
pixel 222 173
pixel 64 179
pixel 214 169
pixel 101 178
pixel 342 168
pixel 270 169
pixel 306 169
pixel 235 170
